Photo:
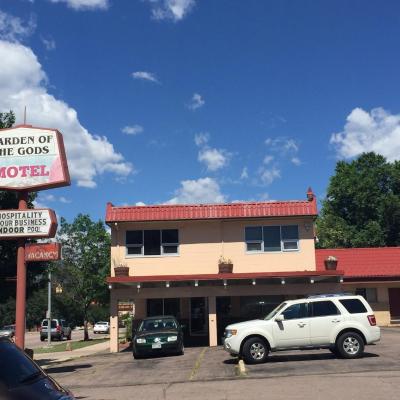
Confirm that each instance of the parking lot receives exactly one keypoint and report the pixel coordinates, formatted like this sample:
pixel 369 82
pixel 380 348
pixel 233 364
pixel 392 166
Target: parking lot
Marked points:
pixel 210 373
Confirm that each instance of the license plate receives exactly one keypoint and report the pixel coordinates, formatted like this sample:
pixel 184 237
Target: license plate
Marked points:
pixel 156 346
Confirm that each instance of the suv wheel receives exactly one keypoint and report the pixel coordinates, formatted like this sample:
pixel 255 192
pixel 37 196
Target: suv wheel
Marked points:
pixel 350 345
pixel 255 350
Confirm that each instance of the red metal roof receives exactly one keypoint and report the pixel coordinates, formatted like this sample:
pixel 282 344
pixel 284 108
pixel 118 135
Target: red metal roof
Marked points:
pixel 228 276
pixel 363 262
pixel 211 211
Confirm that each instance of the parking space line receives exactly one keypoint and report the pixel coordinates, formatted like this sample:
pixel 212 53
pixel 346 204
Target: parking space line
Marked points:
pixel 197 364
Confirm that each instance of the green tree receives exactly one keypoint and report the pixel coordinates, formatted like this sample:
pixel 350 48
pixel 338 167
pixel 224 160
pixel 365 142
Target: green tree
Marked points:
pixel 362 206
pixel 7 119
pixel 85 266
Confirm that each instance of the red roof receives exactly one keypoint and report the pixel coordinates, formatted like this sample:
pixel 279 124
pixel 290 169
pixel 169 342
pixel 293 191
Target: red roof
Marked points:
pixel 228 276
pixel 363 262
pixel 211 211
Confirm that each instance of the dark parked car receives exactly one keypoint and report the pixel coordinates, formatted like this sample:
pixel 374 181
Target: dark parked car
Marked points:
pixel 59 329
pixel 158 335
pixel 22 379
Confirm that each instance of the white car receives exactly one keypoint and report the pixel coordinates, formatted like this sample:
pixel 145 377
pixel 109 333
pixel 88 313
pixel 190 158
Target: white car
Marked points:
pixel 343 323
pixel 101 327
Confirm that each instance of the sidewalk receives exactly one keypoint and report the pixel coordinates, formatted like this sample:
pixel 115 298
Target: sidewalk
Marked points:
pixel 51 358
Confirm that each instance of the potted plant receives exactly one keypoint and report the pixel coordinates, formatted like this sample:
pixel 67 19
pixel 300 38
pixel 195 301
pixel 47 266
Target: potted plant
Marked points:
pixel 225 265
pixel 121 270
pixel 331 263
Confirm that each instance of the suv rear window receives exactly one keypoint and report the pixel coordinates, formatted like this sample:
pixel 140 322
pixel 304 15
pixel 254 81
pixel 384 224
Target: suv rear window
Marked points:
pixel 323 308
pixel 53 323
pixel 353 306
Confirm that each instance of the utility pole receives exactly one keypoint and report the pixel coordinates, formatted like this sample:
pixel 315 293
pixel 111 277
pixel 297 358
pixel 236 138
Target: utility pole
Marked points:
pixel 49 310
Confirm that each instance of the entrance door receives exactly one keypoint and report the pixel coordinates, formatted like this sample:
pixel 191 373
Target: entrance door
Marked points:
pixel 198 316
pixel 394 303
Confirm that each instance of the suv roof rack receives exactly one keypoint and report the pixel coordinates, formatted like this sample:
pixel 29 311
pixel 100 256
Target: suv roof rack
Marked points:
pixel 317 296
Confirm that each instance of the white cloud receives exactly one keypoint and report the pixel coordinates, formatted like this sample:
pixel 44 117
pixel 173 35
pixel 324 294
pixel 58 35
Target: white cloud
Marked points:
pixel 377 131
pixel 282 144
pixel 132 129
pixel 214 159
pixel 203 190
pixel 64 200
pixel 244 174
pixel 13 29
pixel 296 161
pixel 23 82
pixel 144 75
pixel 49 43
pixel 268 175
pixel 268 159
pixel 174 10
pixel 85 4
pixel 196 102
pixel 201 139
pixel 140 204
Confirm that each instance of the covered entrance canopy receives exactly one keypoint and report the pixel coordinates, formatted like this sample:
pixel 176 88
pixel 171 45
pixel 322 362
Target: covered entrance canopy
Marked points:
pixel 206 303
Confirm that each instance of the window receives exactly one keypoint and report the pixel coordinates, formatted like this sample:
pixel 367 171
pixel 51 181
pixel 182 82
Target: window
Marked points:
pixel 295 311
pixel 354 306
pixel 369 294
pixel 152 242
pixel 323 308
pixel 272 238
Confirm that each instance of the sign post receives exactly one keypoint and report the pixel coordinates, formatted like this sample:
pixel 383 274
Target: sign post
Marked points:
pixel 31 159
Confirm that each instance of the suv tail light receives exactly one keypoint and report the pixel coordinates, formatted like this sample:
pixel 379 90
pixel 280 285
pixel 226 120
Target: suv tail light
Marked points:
pixel 371 320
pixel 59 328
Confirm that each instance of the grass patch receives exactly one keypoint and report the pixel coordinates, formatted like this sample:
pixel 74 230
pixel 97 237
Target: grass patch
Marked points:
pixel 74 346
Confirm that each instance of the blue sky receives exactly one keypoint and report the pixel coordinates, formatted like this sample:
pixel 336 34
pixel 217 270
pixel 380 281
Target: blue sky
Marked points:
pixel 202 100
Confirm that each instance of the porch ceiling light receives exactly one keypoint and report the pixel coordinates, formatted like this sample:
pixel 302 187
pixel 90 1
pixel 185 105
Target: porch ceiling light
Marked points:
pixel 282 281
pixel 167 284
pixel 341 280
pixel 253 282
pixel 110 286
pixel 225 283
pixel 196 283
pixel 312 280
pixel 138 286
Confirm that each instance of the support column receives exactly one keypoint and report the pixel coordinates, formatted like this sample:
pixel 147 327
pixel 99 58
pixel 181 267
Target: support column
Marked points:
pixel 212 320
pixel 114 327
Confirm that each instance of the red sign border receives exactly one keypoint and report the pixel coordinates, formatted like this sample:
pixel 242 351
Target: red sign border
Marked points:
pixel 52 230
pixel 64 165
pixel 55 245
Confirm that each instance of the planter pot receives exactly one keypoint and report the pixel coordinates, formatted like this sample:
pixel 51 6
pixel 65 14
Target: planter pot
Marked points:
pixel 225 268
pixel 330 265
pixel 121 271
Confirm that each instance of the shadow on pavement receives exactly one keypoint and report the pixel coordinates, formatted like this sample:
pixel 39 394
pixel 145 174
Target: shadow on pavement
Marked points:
pixel 67 368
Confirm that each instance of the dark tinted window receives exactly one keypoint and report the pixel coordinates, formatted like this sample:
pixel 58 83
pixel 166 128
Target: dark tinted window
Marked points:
pixel 15 366
pixel 354 306
pixel 272 238
pixel 170 236
pixel 152 243
pixel 290 232
pixel 296 311
pixel 324 308
pixel 253 233
pixel 134 237
pixel 53 323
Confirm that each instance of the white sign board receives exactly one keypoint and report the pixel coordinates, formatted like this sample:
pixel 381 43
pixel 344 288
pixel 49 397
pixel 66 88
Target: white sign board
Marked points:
pixel 27 223
pixel 32 158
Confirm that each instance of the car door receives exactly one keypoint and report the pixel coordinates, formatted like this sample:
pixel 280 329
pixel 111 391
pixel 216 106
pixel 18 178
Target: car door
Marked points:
pixel 294 330
pixel 324 317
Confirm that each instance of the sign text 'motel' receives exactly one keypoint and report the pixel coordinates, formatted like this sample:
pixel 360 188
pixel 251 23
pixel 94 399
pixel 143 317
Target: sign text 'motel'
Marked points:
pixel 32 158
pixel 38 223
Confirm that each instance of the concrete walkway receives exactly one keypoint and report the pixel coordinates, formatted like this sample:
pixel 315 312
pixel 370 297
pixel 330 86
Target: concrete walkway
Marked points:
pixel 44 359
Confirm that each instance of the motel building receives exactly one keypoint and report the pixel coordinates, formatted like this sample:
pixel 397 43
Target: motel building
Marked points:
pixel 214 264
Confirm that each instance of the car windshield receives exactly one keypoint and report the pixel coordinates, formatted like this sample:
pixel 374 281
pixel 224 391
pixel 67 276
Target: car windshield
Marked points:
pixel 15 367
pixel 157 324
pixel 101 323
pixel 275 311
pixel 7 328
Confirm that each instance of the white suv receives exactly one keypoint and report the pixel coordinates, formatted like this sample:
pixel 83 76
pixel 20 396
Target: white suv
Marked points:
pixel 343 323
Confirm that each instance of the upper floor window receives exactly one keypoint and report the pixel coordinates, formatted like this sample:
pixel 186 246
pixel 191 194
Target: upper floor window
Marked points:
pixel 272 238
pixel 152 242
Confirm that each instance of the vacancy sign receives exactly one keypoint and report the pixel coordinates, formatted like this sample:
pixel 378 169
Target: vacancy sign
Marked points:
pixel 42 252
pixel 32 159
pixel 38 223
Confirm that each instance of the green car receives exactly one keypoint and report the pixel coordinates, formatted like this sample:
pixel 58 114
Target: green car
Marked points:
pixel 158 335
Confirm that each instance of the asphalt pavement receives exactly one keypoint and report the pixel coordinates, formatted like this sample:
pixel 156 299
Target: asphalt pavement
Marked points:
pixel 211 373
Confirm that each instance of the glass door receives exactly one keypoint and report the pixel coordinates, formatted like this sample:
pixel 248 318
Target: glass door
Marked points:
pixel 198 316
